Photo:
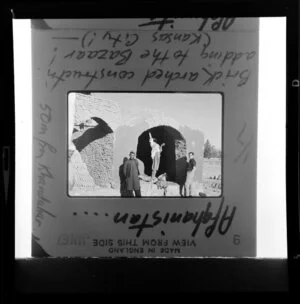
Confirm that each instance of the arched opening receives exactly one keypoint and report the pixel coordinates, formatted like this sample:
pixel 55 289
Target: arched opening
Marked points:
pixel 94 140
pixel 172 160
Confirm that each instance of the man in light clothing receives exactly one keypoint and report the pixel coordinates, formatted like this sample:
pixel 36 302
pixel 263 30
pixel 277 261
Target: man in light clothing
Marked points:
pixel 191 168
pixel 155 155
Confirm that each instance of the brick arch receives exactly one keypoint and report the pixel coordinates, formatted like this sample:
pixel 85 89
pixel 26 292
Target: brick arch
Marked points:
pixel 172 159
pixel 94 139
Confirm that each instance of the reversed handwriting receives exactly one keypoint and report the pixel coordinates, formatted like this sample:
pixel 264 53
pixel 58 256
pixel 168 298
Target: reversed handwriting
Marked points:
pixel 44 174
pixel 160 22
pixel 66 38
pixel 118 38
pixel 120 57
pixel 205 24
pixel 220 220
pixel 245 143
pixel 40 213
pixel 45 118
pixel 168 76
pixel 89 76
pixel 222 24
pixel 169 37
pixel 241 133
pixel 244 152
pixel 43 146
pixel 54 56
pixel 218 75
pixel 157 63
pixel 160 57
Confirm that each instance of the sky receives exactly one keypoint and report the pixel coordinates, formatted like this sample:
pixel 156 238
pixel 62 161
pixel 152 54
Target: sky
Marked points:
pixel 203 111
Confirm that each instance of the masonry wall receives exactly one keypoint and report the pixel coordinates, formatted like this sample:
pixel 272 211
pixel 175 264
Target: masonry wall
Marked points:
pixel 94 137
pixel 97 154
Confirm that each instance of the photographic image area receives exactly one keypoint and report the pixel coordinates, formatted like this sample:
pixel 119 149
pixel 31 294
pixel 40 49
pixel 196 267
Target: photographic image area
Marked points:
pixel 144 144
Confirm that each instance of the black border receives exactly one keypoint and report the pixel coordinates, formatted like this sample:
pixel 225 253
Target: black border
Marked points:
pixel 292 148
pixel 150 9
pixel 8 140
pixel 31 279
pixel 163 198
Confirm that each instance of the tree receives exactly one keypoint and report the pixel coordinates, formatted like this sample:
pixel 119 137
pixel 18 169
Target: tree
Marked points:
pixel 213 152
pixel 210 151
pixel 207 149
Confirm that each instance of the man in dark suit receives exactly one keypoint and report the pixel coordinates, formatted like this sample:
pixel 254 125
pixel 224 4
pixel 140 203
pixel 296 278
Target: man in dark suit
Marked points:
pixel 131 173
pixel 191 168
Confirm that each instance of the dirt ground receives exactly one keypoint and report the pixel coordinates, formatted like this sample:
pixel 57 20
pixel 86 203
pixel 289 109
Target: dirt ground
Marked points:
pixel 212 177
pixel 210 186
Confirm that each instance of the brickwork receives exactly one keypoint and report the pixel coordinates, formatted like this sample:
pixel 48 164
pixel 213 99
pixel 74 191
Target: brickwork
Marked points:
pixel 180 148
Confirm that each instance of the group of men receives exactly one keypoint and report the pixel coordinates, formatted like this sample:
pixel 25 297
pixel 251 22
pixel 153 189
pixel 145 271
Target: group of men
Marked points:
pixel 130 170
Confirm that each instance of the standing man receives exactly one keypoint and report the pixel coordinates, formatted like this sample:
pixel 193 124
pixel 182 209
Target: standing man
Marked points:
pixel 155 155
pixel 191 168
pixel 123 186
pixel 131 173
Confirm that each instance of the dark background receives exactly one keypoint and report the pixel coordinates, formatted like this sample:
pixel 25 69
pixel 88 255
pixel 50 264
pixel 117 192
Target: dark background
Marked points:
pixel 36 279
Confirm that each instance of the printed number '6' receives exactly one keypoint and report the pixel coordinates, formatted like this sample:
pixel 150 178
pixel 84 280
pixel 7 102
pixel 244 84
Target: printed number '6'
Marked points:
pixel 236 239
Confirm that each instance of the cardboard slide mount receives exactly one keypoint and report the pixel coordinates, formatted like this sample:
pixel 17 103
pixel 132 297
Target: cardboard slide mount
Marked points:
pixel 219 61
